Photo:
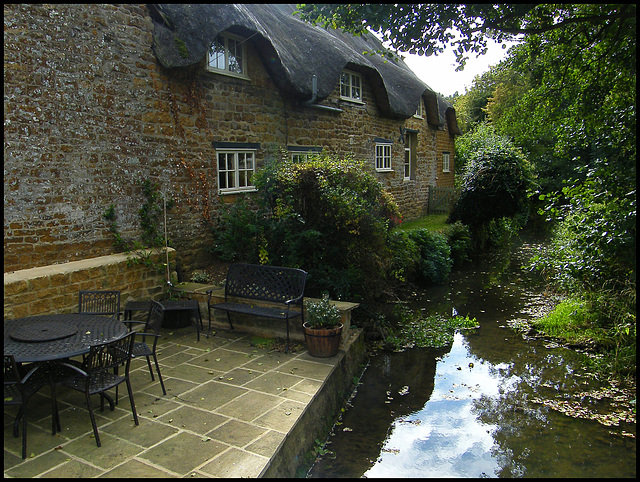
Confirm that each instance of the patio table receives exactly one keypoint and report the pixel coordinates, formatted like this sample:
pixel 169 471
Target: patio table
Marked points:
pixel 45 338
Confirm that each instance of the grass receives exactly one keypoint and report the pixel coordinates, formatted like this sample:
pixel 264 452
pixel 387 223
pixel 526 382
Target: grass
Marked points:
pixel 570 320
pixel 433 222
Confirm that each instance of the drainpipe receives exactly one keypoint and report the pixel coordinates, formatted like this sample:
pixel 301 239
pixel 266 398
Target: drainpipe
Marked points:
pixel 314 95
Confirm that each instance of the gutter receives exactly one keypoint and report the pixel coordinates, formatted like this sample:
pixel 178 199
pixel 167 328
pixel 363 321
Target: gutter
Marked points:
pixel 314 95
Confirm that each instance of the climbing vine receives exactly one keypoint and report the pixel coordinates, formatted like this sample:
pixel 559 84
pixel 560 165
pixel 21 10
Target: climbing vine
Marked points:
pixel 150 214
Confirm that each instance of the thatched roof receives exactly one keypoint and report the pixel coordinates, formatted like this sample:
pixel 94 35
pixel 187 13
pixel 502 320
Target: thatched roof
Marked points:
pixel 294 51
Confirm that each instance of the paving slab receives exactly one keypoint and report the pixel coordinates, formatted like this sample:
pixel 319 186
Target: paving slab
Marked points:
pixel 231 407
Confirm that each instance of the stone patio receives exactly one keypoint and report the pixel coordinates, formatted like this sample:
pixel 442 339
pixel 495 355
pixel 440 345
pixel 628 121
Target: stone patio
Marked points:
pixel 234 408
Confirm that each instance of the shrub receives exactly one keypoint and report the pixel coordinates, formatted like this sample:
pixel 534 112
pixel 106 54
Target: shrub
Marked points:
pixel 494 180
pixel 238 232
pixel 459 240
pixel 405 256
pixel 435 261
pixel 330 217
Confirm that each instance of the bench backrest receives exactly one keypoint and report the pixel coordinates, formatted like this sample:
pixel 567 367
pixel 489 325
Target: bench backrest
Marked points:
pixel 266 283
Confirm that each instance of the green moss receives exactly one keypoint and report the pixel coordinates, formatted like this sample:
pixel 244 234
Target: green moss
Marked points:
pixel 182 47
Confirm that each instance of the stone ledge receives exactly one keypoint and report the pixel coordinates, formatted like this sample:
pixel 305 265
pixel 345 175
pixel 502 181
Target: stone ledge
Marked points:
pixel 71 266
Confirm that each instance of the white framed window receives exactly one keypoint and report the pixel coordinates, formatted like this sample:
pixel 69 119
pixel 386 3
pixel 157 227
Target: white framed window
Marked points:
pixel 410 145
pixel 303 153
pixel 383 156
pixel 236 170
pixel 228 56
pixel 351 86
pixel 445 162
pixel 420 111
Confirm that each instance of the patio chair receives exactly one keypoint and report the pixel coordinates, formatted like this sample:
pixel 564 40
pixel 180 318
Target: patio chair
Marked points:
pixel 19 388
pixel 97 374
pixel 152 330
pixel 99 303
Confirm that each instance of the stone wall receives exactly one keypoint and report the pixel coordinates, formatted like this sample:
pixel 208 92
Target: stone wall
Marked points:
pixel 89 114
pixel 54 289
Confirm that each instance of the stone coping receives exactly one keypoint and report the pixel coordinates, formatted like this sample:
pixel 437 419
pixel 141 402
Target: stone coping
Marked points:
pixel 72 266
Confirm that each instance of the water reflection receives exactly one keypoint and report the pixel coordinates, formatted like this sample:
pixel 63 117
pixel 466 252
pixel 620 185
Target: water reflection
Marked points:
pixel 474 410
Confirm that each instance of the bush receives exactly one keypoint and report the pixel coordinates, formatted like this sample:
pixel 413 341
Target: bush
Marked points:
pixel 435 261
pixel 405 256
pixel 459 240
pixel 494 180
pixel 238 232
pixel 330 217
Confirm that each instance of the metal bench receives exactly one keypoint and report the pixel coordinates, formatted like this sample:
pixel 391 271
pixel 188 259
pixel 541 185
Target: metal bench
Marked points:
pixel 246 283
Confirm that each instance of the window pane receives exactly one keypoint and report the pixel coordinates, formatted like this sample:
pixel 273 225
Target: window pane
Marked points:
pixel 216 54
pixel 407 163
pixel 355 87
pixel 344 84
pixel 235 56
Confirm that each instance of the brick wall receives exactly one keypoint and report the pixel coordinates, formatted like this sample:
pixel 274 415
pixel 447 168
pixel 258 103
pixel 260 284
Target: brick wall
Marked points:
pixel 89 113
pixel 54 289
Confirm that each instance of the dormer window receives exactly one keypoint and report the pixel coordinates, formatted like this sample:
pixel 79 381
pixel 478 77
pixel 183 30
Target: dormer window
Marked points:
pixel 351 86
pixel 227 56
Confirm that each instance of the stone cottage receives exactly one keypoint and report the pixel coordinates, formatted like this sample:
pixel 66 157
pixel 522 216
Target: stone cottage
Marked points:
pixel 99 98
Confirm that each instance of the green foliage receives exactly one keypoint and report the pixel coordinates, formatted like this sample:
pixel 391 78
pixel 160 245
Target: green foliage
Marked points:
pixel 330 217
pixel 322 314
pixel 434 331
pixel 425 29
pixel 405 256
pixel 460 242
pixel 238 232
pixel 200 277
pixel 594 243
pixel 570 320
pixel 152 236
pixel 118 242
pixel 151 215
pixel 435 261
pixel 495 179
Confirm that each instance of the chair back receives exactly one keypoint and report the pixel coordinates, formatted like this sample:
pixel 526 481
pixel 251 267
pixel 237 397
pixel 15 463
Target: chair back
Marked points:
pixel 104 357
pixel 99 302
pixel 11 381
pixel 154 319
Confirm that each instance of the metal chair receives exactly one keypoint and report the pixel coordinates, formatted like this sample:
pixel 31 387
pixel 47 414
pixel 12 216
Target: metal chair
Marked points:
pixel 19 388
pixel 152 330
pixel 99 303
pixel 97 374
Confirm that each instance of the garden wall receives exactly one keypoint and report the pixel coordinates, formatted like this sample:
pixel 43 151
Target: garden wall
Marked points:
pixel 54 289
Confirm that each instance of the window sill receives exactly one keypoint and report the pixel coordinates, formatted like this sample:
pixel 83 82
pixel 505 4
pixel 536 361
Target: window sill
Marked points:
pixel 223 192
pixel 228 74
pixel 353 101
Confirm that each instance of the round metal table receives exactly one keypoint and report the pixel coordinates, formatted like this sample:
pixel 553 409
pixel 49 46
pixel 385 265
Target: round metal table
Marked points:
pixel 54 337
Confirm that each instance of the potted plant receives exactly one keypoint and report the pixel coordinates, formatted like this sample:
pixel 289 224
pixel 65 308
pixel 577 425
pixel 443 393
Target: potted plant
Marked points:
pixel 322 328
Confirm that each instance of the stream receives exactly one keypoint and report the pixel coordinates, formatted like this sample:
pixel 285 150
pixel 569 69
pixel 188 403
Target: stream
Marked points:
pixel 493 404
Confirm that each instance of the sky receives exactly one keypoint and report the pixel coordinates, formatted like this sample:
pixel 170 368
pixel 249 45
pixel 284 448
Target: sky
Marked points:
pixel 439 72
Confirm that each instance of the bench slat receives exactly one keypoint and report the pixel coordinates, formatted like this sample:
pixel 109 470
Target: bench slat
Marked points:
pixel 263 311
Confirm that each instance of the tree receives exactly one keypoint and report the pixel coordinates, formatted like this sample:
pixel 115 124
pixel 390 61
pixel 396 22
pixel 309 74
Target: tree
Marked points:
pixel 427 29
pixel 494 180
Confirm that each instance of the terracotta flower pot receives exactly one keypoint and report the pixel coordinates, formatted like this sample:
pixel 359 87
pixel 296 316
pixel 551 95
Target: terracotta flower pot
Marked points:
pixel 322 342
